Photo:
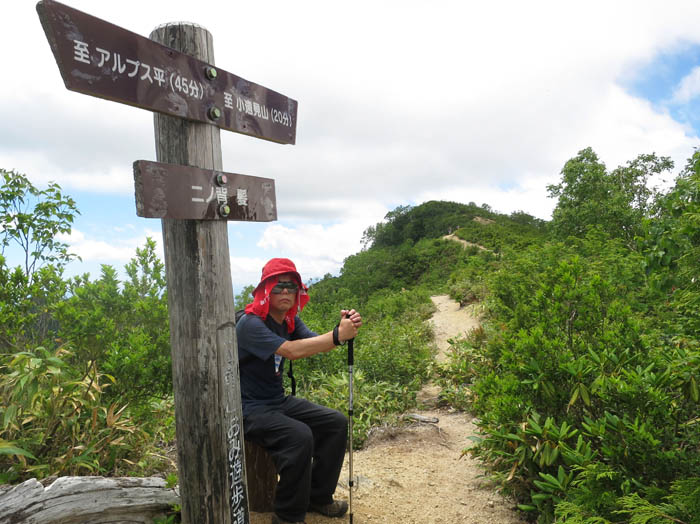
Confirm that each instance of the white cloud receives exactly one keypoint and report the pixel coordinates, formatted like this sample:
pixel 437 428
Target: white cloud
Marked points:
pixel 688 88
pixel 622 127
pixel 118 250
pixel 315 248
pixel 246 271
pixel 399 102
pixel 74 237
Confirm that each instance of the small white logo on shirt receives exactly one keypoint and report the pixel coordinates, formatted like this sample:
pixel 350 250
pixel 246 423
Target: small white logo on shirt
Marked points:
pixel 278 361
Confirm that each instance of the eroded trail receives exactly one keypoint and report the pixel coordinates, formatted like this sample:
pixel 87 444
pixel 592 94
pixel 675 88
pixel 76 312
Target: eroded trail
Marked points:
pixel 416 474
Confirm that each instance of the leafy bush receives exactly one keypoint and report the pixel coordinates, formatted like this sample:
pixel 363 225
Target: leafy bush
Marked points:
pixel 122 327
pixel 391 358
pixel 27 306
pixel 56 421
pixel 427 263
pixel 500 234
pixel 585 378
pixel 466 283
pixel 566 342
pixel 456 376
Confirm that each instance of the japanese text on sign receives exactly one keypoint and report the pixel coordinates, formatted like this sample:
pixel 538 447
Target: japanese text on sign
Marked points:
pixel 235 465
pixel 235 453
pixel 178 83
pixel 133 68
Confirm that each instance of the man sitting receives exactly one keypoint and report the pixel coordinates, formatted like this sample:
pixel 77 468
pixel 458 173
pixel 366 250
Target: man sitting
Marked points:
pixel 306 441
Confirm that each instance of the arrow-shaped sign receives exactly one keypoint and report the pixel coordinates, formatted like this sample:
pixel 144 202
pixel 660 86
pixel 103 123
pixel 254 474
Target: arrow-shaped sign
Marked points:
pixel 101 59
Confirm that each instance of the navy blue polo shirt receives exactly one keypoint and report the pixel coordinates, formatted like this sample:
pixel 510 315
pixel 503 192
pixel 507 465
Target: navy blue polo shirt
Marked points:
pixel 260 367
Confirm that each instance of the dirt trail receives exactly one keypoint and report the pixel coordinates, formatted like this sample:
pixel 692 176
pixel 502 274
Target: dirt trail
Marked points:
pixel 454 237
pixel 450 321
pixel 416 474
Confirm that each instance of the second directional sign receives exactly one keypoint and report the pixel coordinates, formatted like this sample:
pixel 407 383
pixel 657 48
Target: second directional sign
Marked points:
pixel 103 60
pixel 185 192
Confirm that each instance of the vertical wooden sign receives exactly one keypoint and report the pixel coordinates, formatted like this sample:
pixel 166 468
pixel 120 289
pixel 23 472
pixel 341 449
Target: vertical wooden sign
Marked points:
pixel 173 74
pixel 208 416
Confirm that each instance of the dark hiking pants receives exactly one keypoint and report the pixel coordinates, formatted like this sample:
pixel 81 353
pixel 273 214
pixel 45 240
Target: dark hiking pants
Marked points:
pixel 307 443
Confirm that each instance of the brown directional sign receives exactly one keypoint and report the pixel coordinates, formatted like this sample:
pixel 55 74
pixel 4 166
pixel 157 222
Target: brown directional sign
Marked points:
pixel 175 191
pixel 103 60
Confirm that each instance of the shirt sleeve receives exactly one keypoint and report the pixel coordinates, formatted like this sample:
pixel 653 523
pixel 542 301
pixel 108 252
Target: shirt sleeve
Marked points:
pixel 301 330
pixel 258 339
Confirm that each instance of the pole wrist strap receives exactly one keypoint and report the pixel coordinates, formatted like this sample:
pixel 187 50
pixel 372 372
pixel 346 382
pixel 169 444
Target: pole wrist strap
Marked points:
pixel 336 340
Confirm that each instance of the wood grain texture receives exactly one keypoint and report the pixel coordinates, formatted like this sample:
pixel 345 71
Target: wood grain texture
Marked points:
pixel 208 415
pixel 87 500
pixel 262 478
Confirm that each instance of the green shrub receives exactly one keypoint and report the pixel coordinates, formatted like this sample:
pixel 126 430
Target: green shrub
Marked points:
pixel 392 353
pixel 27 306
pixel 122 327
pixel 583 401
pixel 56 421
pixel 456 375
pixel 375 402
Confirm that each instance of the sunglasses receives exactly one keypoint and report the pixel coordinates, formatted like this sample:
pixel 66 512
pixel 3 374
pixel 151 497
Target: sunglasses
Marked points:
pixel 291 287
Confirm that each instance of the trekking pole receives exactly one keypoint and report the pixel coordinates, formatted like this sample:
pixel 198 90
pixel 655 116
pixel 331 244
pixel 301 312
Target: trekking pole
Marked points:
pixel 351 358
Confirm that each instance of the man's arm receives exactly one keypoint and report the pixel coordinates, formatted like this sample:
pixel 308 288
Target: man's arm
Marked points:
pixel 305 347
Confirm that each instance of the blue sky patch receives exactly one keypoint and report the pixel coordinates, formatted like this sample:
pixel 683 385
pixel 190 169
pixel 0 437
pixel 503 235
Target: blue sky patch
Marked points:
pixel 658 80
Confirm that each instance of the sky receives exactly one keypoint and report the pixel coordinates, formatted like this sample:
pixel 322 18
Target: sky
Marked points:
pixel 400 102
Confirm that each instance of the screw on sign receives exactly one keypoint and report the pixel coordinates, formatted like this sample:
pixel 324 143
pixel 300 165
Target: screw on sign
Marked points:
pixel 187 188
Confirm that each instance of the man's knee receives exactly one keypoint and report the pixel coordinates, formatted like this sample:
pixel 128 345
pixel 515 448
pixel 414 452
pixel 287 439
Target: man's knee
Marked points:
pixel 300 432
pixel 300 440
pixel 338 422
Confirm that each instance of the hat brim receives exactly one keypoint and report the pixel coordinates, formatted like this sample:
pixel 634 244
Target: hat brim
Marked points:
pixel 278 273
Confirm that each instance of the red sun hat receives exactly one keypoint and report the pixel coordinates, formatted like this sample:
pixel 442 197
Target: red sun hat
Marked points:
pixel 270 276
pixel 278 266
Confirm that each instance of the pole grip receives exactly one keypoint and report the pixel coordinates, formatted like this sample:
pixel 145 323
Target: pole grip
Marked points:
pixel 351 348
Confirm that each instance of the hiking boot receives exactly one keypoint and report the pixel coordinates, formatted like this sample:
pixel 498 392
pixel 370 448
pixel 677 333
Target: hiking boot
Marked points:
pixel 337 508
pixel 277 520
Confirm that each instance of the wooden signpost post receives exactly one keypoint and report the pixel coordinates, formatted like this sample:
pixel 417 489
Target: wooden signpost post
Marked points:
pixel 173 74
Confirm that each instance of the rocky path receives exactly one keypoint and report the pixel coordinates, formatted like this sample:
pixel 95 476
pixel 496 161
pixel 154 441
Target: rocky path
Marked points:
pixel 417 474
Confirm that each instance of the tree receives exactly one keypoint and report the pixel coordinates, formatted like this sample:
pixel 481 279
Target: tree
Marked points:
pixel 122 329
pixel 244 298
pixel 633 196
pixel 146 273
pixel 389 232
pixel 33 219
pixel 616 202
pixel 672 245
pixel 581 190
